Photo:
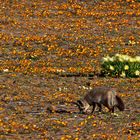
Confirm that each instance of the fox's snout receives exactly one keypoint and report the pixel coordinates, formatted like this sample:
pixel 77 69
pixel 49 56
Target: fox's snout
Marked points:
pixel 83 105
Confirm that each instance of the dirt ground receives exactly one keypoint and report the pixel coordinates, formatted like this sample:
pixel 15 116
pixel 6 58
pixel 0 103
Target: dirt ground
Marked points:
pixel 24 115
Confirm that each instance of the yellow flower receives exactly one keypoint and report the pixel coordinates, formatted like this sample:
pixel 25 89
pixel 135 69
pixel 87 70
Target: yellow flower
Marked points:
pixel 137 58
pixel 111 68
pixel 126 67
pixel 132 60
pixel 137 73
pixel 106 59
pixel 120 59
pixel 123 74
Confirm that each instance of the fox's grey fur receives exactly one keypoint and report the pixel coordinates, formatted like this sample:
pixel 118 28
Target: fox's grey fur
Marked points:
pixel 101 96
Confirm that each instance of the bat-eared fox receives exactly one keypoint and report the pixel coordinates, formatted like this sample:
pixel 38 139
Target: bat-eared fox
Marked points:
pixel 101 96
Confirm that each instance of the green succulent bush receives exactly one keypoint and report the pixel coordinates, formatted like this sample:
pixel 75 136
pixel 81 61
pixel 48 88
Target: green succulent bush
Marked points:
pixel 121 66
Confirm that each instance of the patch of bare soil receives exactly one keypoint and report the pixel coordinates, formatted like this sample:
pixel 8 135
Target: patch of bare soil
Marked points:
pixel 25 101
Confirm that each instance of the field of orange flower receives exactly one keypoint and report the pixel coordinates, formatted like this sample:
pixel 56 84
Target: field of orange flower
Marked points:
pixel 48 51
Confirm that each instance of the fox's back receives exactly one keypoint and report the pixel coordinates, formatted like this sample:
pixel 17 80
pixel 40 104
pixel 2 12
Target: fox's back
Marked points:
pixel 101 95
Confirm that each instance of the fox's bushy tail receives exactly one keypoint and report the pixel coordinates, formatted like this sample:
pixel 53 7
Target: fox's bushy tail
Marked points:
pixel 120 103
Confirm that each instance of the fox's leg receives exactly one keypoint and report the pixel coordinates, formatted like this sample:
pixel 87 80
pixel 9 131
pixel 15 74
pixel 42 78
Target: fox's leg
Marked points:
pixel 93 108
pixel 112 110
pixel 100 107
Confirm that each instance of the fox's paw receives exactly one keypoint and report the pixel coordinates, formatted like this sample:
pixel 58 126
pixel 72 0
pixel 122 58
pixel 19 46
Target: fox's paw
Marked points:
pixel 114 114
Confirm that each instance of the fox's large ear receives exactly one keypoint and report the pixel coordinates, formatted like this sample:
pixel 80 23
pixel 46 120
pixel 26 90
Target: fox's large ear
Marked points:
pixel 79 102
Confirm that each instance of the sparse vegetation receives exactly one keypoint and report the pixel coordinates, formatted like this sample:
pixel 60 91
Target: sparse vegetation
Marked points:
pixel 121 66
